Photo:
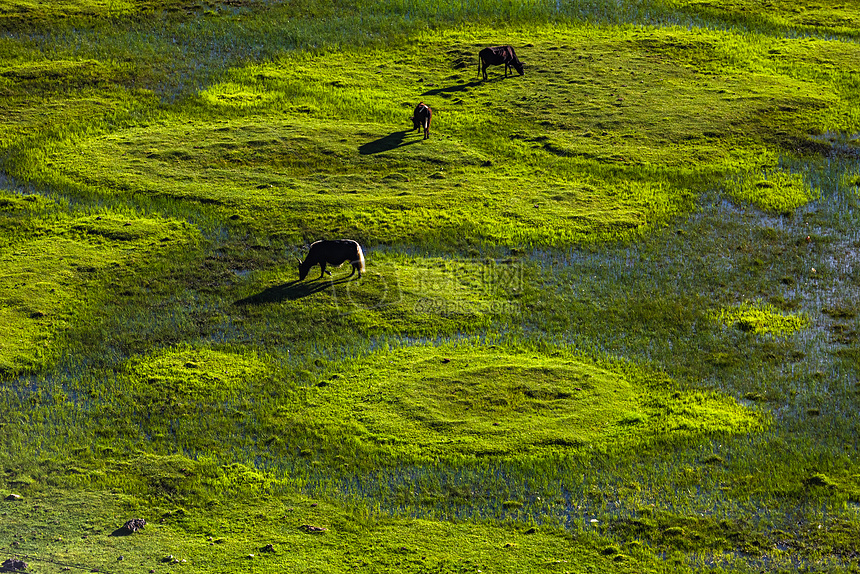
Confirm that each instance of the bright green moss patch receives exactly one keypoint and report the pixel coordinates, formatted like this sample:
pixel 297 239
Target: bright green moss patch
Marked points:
pixel 761 318
pixel 775 191
pixel 286 534
pixel 478 401
pixel 197 374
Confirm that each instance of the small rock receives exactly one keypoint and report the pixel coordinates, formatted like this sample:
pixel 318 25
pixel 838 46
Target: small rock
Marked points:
pixel 134 524
pixel 13 497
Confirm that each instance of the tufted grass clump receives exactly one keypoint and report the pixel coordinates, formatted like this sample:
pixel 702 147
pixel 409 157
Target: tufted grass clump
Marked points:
pixel 776 191
pixel 761 318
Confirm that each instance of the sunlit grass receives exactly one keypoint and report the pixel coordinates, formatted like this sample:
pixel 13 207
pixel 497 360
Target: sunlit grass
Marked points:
pixel 584 130
pixel 777 191
pixel 761 318
pixel 49 267
pixel 549 357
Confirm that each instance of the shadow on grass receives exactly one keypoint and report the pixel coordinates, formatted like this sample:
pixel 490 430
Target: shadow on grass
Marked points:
pixel 387 143
pixel 453 89
pixel 291 291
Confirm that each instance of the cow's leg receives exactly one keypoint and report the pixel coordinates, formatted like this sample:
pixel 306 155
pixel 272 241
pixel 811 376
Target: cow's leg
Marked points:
pixel 323 271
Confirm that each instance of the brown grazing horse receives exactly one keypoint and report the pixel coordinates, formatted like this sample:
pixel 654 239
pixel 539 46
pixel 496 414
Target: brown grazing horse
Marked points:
pixel 421 118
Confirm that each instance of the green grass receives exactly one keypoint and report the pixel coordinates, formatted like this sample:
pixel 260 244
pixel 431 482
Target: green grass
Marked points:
pixel 761 319
pixel 605 166
pixel 608 323
pixel 271 537
pixel 50 258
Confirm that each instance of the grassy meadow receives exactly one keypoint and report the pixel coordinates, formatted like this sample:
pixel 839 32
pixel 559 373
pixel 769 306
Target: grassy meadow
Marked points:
pixel 609 321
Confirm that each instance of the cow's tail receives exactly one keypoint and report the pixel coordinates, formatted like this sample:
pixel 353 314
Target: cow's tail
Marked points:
pixel 359 263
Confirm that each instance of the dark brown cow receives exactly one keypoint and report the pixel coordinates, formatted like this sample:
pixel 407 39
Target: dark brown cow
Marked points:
pixel 333 252
pixel 421 118
pixel 496 56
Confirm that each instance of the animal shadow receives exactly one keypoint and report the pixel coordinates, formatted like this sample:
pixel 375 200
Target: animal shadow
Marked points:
pixel 290 291
pixel 452 89
pixel 386 143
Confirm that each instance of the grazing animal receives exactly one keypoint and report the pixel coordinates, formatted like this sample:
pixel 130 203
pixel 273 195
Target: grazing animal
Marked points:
pixel 333 252
pixel 496 56
pixel 421 118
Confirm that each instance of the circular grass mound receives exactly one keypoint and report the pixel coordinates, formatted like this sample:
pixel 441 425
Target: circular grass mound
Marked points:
pixel 486 401
pixel 506 406
pixel 200 374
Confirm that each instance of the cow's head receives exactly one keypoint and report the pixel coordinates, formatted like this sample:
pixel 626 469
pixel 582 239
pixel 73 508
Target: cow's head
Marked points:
pixel 303 269
pixel 518 66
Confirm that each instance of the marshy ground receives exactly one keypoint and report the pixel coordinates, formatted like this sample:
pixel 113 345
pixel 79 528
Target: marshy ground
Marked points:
pixel 609 320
